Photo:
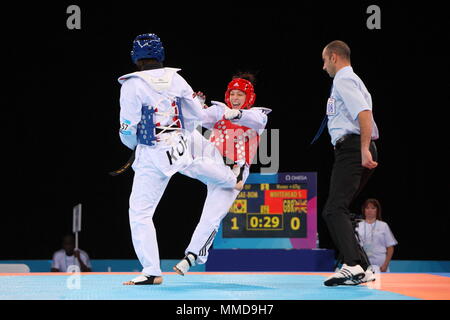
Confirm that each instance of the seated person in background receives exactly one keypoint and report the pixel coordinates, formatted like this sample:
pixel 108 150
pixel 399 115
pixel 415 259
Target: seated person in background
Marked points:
pixel 375 235
pixel 68 256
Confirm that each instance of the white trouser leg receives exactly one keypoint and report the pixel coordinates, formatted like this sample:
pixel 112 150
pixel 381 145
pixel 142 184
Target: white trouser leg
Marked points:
pixel 207 165
pixel 148 188
pixel 218 202
pixel 209 171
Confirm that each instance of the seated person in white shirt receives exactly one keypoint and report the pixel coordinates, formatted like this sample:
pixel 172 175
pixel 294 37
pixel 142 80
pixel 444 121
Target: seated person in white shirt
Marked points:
pixel 375 236
pixel 68 256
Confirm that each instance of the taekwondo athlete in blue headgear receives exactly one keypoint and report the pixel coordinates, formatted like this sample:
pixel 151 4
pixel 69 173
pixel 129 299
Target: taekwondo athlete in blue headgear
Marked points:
pixel 158 114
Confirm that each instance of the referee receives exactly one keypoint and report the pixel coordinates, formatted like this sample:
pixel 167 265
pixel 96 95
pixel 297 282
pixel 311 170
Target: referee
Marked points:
pixel 353 131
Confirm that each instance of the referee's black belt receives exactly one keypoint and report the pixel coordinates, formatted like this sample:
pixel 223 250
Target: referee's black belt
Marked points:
pixel 344 138
pixel 341 140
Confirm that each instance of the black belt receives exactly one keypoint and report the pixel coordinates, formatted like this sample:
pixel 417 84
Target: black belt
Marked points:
pixel 167 130
pixel 345 137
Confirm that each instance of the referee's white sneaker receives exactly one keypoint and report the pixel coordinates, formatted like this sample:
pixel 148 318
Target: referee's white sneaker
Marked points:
pixel 183 266
pixel 346 273
pixel 369 276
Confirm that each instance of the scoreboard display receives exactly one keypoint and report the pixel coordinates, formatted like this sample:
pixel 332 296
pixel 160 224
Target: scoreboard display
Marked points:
pixel 272 211
pixel 268 210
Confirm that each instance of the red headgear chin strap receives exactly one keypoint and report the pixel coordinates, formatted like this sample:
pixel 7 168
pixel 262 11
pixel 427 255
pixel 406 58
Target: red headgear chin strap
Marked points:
pixel 246 87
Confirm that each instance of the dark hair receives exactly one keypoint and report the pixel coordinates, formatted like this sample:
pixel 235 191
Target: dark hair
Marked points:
pixel 148 64
pixel 375 203
pixel 340 48
pixel 245 75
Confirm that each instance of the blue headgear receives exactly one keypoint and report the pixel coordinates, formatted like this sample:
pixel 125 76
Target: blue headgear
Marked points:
pixel 147 46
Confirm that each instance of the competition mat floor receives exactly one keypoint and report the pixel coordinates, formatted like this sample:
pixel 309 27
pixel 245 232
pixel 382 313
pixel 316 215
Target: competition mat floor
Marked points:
pixel 221 286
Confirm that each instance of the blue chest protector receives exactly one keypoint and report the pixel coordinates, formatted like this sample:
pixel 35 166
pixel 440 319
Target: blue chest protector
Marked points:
pixel 146 129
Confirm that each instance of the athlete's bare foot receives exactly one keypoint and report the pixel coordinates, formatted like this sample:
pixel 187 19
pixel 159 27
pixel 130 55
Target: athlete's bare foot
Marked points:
pixel 239 186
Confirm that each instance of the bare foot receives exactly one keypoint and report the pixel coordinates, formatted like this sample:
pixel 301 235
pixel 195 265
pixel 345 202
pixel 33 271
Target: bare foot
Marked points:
pixel 239 186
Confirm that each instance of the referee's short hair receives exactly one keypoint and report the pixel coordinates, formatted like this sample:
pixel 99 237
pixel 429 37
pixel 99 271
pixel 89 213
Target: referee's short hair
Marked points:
pixel 340 48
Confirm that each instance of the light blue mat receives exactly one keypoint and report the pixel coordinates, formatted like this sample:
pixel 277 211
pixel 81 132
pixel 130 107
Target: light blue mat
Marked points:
pixel 190 287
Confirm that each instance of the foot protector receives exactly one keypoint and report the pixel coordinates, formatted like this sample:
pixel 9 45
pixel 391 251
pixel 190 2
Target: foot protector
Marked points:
pixel 183 266
pixel 144 280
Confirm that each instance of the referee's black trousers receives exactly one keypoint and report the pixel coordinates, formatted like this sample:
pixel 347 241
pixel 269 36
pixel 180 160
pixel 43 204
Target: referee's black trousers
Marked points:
pixel 348 178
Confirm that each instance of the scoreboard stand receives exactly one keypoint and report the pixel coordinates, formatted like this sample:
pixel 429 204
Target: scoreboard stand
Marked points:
pixel 272 226
pixel 276 260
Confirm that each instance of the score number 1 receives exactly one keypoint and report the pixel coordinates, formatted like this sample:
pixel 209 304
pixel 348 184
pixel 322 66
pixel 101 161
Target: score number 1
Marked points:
pixel 234 225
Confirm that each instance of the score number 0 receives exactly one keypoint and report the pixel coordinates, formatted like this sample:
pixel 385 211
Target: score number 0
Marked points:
pixel 269 222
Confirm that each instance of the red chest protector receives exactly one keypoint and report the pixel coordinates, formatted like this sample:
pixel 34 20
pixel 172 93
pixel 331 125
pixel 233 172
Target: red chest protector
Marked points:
pixel 234 141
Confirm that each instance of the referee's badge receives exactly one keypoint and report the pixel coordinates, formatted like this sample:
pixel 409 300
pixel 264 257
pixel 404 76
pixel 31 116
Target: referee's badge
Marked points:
pixel 331 106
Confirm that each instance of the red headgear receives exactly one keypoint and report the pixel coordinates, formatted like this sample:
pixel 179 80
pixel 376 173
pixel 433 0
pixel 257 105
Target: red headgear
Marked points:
pixel 245 86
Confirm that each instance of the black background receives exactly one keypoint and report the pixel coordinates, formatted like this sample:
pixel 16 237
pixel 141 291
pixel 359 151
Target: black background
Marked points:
pixel 61 113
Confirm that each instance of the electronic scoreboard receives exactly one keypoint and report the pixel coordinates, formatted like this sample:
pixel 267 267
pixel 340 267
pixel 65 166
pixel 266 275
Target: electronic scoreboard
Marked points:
pixel 272 211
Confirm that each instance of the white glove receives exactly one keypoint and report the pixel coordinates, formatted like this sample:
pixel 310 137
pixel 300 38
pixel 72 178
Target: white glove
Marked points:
pixel 201 97
pixel 228 113
pixel 231 114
